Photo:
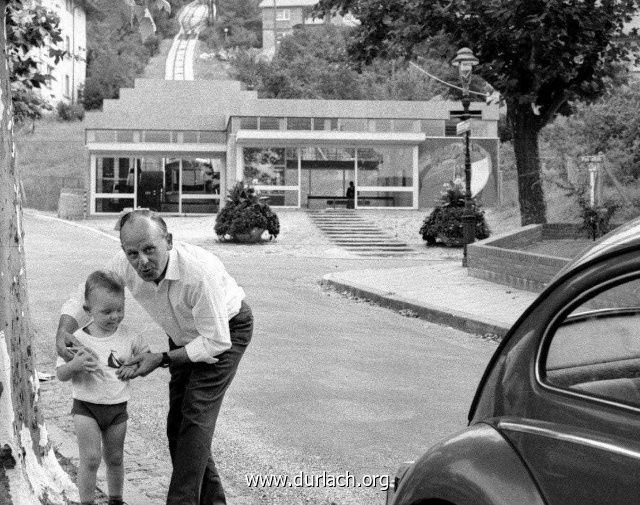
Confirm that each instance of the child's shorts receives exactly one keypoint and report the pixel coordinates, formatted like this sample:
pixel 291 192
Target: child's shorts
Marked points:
pixel 105 415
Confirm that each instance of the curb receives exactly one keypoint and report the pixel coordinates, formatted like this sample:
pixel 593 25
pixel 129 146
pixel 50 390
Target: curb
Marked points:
pixel 37 215
pixel 67 447
pixel 456 319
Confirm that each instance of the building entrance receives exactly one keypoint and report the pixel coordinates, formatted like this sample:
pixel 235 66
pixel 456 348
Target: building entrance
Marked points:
pixel 164 184
pixel 325 183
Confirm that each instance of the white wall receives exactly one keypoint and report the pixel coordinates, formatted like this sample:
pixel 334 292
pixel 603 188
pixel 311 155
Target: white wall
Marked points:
pixel 70 73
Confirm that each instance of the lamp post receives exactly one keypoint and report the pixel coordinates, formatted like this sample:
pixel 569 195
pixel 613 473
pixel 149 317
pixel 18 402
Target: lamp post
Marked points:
pixel 465 61
pixel 226 35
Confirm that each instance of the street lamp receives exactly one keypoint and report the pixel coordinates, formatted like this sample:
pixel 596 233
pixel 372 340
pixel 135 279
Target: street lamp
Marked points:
pixel 465 61
pixel 226 35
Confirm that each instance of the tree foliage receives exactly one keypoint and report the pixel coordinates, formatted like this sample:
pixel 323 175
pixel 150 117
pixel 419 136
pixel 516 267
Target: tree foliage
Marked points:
pixel 120 43
pixel 314 62
pixel 539 54
pixel 243 21
pixel 30 29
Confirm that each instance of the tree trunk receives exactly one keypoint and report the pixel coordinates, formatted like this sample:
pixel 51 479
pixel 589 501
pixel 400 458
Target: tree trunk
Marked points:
pixel 525 125
pixel 29 471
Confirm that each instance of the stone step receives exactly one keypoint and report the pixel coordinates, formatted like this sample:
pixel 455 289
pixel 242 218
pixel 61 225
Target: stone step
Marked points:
pixel 367 240
pixel 347 232
pixel 356 235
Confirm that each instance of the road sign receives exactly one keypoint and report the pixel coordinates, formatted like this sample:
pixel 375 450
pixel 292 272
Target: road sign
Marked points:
pixel 592 159
pixel 463 126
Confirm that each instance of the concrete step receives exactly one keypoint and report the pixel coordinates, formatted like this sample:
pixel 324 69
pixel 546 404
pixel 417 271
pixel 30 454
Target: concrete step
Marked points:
pixel 348 230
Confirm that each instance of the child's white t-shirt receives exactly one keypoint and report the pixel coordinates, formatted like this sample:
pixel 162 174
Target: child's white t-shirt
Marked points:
pixel 112 351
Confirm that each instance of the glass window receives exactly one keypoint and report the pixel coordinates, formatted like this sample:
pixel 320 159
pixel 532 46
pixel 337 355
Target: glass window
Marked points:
pixel 383 125
pixel 124 135
pixel 200 176
pixel 157 136
pixel 274 166
pixel 283 14
pixel 279 198
pixel 249 123
pixel 190 137
pixel 326 173
pixel 320 123
pixel 112 175
pixel 405 125
pixel 354 125
pixel 385 166
pixel 269 123
pixel 298 123
pixel 101 136
pixel 150 184
pixel 384 199
pixel 596 348
pixel 213 137
pixel 432 127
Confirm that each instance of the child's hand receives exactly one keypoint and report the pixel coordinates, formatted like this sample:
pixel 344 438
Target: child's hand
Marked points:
pixel 126 372
pixel 84 360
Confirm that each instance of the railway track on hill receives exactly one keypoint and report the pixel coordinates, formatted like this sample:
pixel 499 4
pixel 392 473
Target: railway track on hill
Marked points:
pixel 179 65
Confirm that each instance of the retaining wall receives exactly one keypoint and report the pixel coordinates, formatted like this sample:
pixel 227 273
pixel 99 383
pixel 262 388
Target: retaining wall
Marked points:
pixel 497 259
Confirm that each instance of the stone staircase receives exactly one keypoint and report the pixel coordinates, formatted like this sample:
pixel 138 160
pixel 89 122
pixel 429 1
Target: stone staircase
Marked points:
pixel 348 230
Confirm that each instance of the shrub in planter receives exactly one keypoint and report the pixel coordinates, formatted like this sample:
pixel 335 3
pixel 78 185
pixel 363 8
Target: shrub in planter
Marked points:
pixel 596 220
pixel 245 217
pixel 444 224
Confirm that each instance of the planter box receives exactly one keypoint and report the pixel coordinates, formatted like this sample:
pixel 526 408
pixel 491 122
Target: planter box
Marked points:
pixel 501 259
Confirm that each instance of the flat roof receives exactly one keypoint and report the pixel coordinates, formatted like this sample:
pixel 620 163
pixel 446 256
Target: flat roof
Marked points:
pixel 156 104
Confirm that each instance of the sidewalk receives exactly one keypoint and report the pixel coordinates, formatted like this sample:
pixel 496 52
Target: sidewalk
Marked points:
pixel 441 293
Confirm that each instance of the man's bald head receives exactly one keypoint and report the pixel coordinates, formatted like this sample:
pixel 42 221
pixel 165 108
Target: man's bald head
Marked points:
pixel 148 215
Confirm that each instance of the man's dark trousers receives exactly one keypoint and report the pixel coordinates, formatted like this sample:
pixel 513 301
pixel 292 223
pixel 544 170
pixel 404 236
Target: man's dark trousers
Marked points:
pixel 196 391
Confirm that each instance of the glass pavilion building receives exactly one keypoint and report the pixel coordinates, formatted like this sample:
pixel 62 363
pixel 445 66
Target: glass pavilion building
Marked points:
pixel 179 146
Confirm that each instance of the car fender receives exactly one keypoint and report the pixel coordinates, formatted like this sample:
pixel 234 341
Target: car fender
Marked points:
pixel 474 467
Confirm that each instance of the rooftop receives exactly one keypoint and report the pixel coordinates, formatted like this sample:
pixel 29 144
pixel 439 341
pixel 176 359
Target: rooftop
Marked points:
pixel 208 105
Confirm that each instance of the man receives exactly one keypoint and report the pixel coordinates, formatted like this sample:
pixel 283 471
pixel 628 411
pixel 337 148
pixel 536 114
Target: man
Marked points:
pixel 188 292
pixel 351 195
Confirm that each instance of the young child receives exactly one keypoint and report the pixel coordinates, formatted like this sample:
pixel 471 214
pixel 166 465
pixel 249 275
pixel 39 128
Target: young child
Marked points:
pixel 99 397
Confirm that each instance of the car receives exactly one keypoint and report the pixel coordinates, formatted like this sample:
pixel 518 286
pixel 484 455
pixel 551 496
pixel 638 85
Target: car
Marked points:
pixel 556 417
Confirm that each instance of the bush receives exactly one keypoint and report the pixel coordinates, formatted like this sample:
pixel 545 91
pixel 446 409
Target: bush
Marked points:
pixel 445 221
pixel 70 112
pixel 243 213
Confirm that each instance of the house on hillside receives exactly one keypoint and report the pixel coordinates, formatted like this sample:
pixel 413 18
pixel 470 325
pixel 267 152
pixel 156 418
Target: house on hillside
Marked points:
pixel 280 17
pixel 70 73
pixel 177 147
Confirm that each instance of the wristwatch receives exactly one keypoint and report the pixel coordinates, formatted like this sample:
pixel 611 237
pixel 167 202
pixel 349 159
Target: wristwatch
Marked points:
pixel 166 359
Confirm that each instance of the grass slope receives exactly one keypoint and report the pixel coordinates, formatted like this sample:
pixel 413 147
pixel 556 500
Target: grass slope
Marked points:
pixel 51 157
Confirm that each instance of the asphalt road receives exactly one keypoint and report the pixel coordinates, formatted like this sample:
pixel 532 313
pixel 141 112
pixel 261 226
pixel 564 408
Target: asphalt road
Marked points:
pixel 329 386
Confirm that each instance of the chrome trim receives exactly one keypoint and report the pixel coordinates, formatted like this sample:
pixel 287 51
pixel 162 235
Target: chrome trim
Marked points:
pixel 565 437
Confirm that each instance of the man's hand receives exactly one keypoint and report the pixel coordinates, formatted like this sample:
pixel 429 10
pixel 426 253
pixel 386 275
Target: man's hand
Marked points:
pixel 126 372
pixel 67 345
pixel 65 341
pixel 146 362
